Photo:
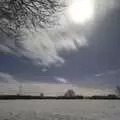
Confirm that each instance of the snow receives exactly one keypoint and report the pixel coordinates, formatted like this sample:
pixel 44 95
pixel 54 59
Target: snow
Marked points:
pixel 60 110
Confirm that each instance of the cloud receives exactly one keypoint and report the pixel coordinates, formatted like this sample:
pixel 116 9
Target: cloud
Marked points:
pixel 108 73
pixel 61 80
pixel 107 79
pixel 7 78
pixel 45 46
pixel 4 48
pixel 99 74
pixel 44 69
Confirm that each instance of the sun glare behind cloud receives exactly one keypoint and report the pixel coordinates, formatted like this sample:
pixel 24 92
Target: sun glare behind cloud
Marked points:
pixel 81 11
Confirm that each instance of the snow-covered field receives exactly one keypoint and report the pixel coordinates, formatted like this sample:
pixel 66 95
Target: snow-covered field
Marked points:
pixel 59 110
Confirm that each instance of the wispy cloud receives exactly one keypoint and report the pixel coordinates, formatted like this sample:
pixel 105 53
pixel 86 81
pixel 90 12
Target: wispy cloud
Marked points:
pixel 108 79
pixel 109 72
pixel 61 80
pixel 44 69
pixel 7 78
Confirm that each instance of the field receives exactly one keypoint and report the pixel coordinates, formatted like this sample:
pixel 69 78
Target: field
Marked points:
pixel 59 110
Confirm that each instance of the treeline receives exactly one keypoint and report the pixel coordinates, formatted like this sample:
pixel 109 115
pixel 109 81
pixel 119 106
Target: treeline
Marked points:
pixel 109 97
pixel 13 97
pixel 69 94
pixel 7 97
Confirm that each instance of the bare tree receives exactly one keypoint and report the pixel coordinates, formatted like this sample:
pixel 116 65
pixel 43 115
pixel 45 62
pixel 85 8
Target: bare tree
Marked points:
pixel 18 14
pixel 70 93
pixel 41 94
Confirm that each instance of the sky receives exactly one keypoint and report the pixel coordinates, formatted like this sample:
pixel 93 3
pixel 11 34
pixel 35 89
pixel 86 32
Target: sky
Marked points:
pixel 81 52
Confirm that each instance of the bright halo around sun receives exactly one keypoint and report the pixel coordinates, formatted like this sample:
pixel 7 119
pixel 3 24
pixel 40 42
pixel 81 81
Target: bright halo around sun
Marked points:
pixel 81 11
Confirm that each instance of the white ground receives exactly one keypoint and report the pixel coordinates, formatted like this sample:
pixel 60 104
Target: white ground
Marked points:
pixel 59 110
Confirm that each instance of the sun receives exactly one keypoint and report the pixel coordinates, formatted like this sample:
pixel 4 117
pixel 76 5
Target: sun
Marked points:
pixel 81 11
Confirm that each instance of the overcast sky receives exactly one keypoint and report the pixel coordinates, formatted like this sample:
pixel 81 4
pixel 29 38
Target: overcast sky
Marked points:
pixel 85 56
